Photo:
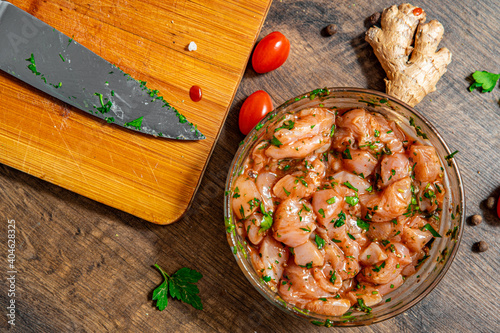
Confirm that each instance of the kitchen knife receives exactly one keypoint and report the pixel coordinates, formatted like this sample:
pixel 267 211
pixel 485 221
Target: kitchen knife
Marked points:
pixel 43 57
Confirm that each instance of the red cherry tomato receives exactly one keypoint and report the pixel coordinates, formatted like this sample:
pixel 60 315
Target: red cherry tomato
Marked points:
pixel 498 207
pixel 271 52
pixel 255 107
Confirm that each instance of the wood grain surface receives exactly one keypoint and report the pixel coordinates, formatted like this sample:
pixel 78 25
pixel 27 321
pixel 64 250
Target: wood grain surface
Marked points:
pixel 85 267
pixel 139 174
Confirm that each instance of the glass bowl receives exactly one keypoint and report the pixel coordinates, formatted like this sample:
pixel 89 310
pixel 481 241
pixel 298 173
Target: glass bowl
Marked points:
pixel 443 250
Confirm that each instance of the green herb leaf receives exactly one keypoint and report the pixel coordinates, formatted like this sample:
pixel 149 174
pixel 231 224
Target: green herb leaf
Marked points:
pixel 332 131
pixel 363 224
pixel 331 201
pixel 431 229
pixel 350 186
pixel 160 294
pixel 322 212
pixel 286 125
pixel 353 201
pixel 449 157
pixel 276 142
pixel 180 285
pixel 363 307
pixel 286 192
pixel 484 80
pixel 341 220
pixel 137 123
pixel 320 242
pixel 377 269
pixel 346 154
pixel 267 220
pixel 351 236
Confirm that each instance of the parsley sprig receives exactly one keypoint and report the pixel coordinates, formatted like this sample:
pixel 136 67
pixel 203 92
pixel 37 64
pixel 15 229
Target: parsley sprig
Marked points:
pixel 180 285
pixel 484 80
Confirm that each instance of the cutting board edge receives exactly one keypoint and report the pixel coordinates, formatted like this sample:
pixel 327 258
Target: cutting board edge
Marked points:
pixel 224 121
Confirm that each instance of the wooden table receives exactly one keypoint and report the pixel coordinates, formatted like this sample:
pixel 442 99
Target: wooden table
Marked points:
pixel 83 266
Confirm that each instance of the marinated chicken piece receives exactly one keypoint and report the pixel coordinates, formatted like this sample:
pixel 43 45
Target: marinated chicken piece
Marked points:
pixel 328 204
pixel 294 187
pixel 298 149
pixel 306 123
pixel 427 166
pixel 362 163
pixel 259 158
pixel 299 287
pixel 293 222
pixel 364 128
pixel 308 254
pixel 415 239
pixel 394 284
pixel 393 168
pixel 300 136
pixel 370 295
pixel 430 196
pixel 372 255
pixel 264 183
pixel 330 307
pixel 246 197
pixel 271 259
pixel 390 134
pixel 390 203
pixel 327 278
pixel 356 183
pixel 349 210
pixel 252 228
pixel 385 230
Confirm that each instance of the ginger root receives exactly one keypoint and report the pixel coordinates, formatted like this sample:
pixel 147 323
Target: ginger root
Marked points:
pixel 409 79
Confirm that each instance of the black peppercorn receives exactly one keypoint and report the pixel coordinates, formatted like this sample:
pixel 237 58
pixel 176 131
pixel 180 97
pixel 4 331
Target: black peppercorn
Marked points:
pixel 374 18
pixel 476 219
pixel 490 203
pixel 331 29
pixel 480 246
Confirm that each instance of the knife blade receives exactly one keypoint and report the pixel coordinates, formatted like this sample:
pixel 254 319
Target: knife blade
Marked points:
pixel 54 63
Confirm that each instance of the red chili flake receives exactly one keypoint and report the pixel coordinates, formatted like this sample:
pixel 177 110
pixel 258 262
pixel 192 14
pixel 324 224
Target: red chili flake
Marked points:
pixel 417 11
pixel 195 93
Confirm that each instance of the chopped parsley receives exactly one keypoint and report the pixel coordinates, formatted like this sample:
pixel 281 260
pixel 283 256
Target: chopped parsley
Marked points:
pixel 346 154
pixel 267 220
pixel 286 125
pixel 449 157
pixel 340 221
pixel 350 186
pixel 320 242
pixel 331 201
pixel 276 142
pixel 431 229
pixel 363 224
pixel 418 129
pixel 378 268
pixel 353 201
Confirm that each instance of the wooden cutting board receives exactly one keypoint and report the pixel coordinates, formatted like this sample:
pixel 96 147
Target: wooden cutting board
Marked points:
pixel 152 178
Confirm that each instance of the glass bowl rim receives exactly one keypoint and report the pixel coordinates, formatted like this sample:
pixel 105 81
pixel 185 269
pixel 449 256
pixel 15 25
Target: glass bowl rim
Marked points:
pixel 232 241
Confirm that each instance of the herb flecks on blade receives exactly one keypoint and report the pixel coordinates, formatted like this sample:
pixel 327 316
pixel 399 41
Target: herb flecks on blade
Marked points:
pixel 137 123
pixel 180 285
